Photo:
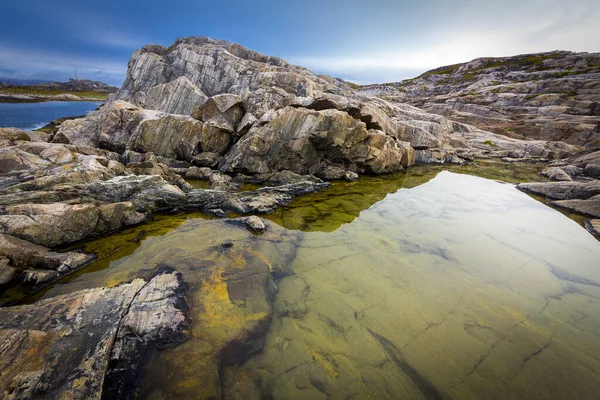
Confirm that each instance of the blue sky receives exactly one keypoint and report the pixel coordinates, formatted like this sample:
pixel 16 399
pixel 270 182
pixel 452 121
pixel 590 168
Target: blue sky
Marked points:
pixel 363 41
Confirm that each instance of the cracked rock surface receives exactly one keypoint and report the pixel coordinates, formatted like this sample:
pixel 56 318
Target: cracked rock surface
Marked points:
pixel 88 344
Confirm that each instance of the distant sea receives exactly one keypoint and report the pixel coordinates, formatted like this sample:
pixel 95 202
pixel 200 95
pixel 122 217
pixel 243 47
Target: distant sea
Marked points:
pixel 30 116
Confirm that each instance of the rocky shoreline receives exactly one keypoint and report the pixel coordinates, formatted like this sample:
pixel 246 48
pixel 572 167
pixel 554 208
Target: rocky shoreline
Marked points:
pixel 216 111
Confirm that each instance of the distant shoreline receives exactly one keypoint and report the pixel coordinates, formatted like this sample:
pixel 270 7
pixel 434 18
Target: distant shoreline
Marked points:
pixel 74 90
pixel 41 98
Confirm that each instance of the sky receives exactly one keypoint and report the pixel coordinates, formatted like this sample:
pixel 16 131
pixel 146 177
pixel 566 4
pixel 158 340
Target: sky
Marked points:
pixel 372 41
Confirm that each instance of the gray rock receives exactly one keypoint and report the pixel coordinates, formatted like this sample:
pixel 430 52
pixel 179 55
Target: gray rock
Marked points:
pixel 180 96
pixel 254 224
pixel 7 273
pixel 302 140
pixel 91 343
pixel 38 276
pixel 590 207
pixel 546 96
pixel 56 224
pixel 563 190
pixel 206 159
pixel 224 111
pixel 556 174
pixel 203 173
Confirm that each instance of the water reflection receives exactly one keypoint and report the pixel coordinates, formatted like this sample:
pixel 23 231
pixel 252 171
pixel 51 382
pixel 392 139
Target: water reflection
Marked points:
pixel 460 288
pixel 327 211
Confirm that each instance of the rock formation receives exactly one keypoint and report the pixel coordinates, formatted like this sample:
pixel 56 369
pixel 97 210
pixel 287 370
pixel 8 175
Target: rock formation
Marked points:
pixel 225 106
pixel 89 344
pixel 214 110
pixel 545 96
pixel 574 185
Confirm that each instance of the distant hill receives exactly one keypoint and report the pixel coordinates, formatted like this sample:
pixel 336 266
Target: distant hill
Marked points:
pixel 73 90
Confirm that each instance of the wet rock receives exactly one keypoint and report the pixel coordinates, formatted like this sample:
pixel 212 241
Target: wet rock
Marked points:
pixel 90 343
pixel 146 192
pixel 589 206
pixel 55 224
pixel 563 190
pixel 278 178
pixel 593 225
pixel 350 176
pixel 220 181
pixel 22 254
pixel 255 224
pixel 331 172
pixel 263 200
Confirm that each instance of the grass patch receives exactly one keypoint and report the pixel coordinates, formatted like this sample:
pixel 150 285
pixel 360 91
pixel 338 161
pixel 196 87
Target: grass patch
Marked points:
pixel 490 143
pixel 27 91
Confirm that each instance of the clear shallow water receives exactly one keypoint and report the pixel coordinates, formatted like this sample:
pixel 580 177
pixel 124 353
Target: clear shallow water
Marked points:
pixel 30 116
pixel 427 284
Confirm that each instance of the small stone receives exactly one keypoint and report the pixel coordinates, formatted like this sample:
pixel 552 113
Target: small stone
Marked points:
pixel 255 224
pixel 350 176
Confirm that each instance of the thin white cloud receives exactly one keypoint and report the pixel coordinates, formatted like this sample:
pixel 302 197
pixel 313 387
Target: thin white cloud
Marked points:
pixel 493 29
pixel 39 62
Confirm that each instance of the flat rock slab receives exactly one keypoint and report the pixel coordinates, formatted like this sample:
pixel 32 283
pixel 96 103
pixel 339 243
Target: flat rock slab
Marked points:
pixel 66 346
pixel 589 207
pixel 563 190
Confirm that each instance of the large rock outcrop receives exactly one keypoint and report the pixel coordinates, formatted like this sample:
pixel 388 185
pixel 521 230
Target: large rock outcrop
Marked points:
pixel 214 101
pixel 547 96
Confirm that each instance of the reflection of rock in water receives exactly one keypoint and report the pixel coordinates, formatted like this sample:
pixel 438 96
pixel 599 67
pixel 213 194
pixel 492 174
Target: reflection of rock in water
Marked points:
pixel 328 210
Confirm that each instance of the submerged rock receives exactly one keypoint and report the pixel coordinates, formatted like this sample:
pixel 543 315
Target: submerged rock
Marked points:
pixel 89 344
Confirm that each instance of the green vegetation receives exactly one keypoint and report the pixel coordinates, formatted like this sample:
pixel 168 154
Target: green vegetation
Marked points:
pixel 353 85
pixel 28 91
pixel 489 143
pixel 442 71
pixel 572 92
pixel 577 72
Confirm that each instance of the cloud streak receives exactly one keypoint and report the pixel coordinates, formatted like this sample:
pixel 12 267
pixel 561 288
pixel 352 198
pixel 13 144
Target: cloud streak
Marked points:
pixel 44 64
